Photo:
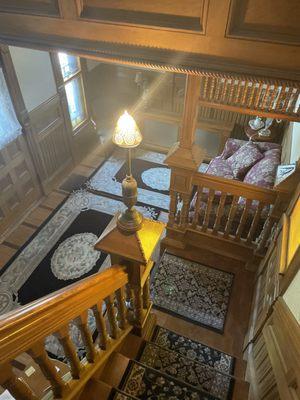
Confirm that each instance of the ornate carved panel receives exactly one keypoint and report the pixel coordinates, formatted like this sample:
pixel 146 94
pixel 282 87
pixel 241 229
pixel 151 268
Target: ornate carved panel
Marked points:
pixel 37 7
pixel 171 14
pixel 269 20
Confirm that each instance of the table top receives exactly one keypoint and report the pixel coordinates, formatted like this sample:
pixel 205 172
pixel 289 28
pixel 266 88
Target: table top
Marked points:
pixel 255 137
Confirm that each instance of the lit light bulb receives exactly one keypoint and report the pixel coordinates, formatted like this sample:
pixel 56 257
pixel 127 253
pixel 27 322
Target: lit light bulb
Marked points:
pixel 127 133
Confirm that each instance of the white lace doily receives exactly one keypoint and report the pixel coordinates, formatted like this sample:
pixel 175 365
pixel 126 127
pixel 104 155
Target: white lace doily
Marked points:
pixel 75 256
pixel 157 178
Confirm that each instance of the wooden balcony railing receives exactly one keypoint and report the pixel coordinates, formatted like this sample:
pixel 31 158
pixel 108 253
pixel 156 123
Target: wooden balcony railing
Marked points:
pixel 25 330
pixel 228 209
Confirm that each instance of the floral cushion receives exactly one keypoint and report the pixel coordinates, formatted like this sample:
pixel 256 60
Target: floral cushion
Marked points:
pixel 263 173
pixel 231 146
pixel 220 167
pixel 243 159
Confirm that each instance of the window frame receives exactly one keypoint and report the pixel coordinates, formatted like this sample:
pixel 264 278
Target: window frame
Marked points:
pixel 61 87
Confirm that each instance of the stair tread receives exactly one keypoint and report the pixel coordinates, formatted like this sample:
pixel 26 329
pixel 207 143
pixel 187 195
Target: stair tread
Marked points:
pixel 176 365
pixel 117 394
pixel 195 350
pixel 144 383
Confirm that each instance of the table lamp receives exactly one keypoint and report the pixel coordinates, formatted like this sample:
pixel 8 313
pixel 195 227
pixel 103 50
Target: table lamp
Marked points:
pixel 128 136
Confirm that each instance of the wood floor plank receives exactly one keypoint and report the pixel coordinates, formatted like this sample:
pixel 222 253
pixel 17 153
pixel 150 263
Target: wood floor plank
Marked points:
pixel 5 254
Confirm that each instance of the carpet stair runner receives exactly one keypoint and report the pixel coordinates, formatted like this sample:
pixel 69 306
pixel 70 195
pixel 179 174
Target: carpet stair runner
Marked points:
pixel 170 366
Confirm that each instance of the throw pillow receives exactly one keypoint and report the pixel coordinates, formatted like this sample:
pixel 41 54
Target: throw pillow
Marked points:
pixel 243 159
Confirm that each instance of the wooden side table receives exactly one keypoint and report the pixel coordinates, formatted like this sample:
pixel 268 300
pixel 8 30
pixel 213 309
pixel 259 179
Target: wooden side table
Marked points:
pixel 254 136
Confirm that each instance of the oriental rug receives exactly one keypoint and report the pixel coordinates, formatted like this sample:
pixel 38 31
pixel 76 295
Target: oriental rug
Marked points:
pixel 195 292
pixel 144 383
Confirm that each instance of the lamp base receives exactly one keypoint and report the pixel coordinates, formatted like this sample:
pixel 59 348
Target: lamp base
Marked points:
pixel 130 221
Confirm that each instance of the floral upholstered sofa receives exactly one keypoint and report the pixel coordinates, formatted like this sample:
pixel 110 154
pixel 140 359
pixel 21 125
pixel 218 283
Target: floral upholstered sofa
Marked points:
pixel 249 162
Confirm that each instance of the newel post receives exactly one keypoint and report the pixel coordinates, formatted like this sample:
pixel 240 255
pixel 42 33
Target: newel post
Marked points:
pixel 134 251
pixel 184 159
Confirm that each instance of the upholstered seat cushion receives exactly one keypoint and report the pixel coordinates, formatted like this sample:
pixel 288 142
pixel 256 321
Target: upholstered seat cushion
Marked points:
pixel 243 159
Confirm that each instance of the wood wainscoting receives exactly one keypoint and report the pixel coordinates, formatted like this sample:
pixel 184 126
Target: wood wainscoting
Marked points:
pixel 18 182
pixel 49 142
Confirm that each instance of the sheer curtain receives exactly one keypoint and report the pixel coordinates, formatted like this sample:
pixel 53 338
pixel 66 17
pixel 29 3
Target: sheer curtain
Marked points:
pixel 9 125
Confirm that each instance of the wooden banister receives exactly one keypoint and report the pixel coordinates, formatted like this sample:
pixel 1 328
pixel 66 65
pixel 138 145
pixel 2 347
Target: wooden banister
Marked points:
pixel 235 188
pixel 27 325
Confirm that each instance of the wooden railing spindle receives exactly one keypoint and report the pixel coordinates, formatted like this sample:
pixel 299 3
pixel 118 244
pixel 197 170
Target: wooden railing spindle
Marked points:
pixel 101 325
pixel 146 294
pixel 243 220
pixel 232 212
pixel 40 356
pixel 197 209
pixel 255 222
pixel 211 196
pixel 122 311
pixel 64 338
pixel 111 314
pixel 17 387
pixel 82 322
pixel 220 213
pixel 138 306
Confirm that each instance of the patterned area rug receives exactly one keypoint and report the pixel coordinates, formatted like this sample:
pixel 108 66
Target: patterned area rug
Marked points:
pixel 194 350
pixel 197 374
pixel 147 383
pixel 193 291
pixel 152 175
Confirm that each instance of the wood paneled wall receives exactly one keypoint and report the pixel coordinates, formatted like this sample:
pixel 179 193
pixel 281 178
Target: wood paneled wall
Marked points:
pixel 49 142
pixel 18 184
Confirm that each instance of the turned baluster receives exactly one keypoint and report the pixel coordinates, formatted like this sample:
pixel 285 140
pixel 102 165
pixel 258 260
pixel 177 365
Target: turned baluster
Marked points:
pixel 212 88
pixel 273 96
pixel 40 356
pixel 279 102
pixel 245 93
pixel 138 306
pixel 288 94
pixel 173 208
pixel 101 325
pixel 16 386
pixel 292 104
pixel 205 78
pixel 238 92
pixel 266 99
pixel 122 311
pixel 232 212
pixel 197 210
pixel 258 95
pixel 220 213
pixel 211 196
pixel 111 314
pixel 251 94
pixel 185 210
pixel 255 222
pixel 243 220
pixel 224 90
pixel 231 91
pixel 218 89
pixel 82 323
pixel 64 338
pixel 146 294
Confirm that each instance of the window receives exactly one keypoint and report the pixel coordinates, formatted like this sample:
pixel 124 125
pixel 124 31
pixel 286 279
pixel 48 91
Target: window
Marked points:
pixel 9 125
pixel 72 77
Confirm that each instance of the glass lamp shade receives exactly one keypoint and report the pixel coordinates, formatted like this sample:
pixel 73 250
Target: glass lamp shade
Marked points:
pixel 126 133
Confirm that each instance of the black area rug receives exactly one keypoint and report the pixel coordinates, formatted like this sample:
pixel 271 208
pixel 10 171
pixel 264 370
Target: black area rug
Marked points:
pixel 61 266
pixel 74 182
pixel 146 383
pixel 199 375
pixel 216 359
pixel 195 292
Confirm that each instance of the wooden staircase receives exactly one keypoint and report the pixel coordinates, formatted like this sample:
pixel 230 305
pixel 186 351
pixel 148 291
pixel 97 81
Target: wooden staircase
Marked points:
pixel 112 383
pixel 125 329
